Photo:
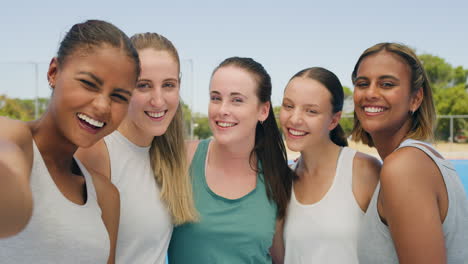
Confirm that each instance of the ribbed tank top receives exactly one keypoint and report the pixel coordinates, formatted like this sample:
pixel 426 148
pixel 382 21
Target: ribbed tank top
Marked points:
pixel 233 231
pixel 59 230
pixel 145 223
pixel 326 231
pixel 375 242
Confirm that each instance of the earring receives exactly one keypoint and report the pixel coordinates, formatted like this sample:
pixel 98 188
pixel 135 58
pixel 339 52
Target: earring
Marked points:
pixel 411 112
pixel 261 123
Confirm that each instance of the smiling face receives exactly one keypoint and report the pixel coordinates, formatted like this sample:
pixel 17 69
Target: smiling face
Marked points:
pixel 382 94
pixel 234 108
pixel 156 97
pixel 91 93
pixel 306 114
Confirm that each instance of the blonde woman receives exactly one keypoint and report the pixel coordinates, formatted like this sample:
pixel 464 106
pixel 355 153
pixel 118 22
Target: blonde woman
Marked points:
pixel 145 157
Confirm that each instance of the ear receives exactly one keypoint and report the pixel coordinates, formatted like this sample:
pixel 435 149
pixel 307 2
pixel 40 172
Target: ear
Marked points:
pixel 416 100
pixel 264 111
pixel 52 72
pixel 335 120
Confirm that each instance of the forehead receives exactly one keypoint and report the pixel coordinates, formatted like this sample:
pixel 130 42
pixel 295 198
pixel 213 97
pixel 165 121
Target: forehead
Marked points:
pixel 384 63
pixel 157 62
pixel 109 63
pixel 231 79
pixel 305 90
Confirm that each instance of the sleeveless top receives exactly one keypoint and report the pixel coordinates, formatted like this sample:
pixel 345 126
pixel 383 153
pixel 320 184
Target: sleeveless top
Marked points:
pixel 59 230
pixel 325 231
pixel 229 230
pixel 145 226
pixel 375 244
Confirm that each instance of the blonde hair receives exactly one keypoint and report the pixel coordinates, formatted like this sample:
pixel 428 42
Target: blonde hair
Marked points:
pixel 167 152
pixel 423 118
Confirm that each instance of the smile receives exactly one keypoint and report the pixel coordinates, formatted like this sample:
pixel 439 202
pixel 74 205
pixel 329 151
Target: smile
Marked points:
pixel 90 121
pixel 157 115
pixel 225 124
pixel 296 133
pixel 373 109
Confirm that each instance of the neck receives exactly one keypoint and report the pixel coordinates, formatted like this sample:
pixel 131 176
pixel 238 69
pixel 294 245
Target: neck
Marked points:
pixel 233 155
pixel 56 150
pixel 321 155
pixel 133 133
pixel 386 142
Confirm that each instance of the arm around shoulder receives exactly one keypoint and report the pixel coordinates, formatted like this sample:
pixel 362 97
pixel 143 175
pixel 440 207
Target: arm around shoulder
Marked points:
pixel 16 156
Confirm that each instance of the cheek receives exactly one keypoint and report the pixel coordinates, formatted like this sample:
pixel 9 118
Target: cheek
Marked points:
pixel 172 99
pixel 283 117
pixel 119 111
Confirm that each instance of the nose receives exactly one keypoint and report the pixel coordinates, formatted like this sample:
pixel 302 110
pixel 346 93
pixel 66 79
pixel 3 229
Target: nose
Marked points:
pixel 157 99
pixel 224 108
pixel 373 92
pixel 296 117
pixel 102 106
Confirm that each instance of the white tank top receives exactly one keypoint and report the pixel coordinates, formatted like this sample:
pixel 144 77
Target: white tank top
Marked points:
pixel 59 230
pixel 326 231
pixel 145 227
pixel 375 240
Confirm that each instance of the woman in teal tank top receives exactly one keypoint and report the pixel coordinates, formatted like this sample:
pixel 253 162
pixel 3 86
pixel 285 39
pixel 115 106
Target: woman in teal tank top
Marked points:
pixel 241 181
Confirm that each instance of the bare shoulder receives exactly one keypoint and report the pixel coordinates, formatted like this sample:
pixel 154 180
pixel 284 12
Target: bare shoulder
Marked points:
pixel 367 165
pixel 96 159
pixel 107 194
pixel 408 168
pixel 366 171
pixel 191 147
pixel 16 133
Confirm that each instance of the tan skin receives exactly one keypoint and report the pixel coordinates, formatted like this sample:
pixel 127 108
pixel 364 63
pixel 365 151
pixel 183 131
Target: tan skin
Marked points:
pixel 233 100
pixel 307 111
pixel 82 85
pixel 413 198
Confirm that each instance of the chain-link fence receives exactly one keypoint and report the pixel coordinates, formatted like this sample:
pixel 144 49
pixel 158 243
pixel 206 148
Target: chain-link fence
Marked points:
pixel 449 128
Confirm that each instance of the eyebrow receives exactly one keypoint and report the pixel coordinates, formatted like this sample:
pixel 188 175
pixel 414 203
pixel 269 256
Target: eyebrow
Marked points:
pixel 380 78
pixel 94 77
pixel 123 91
pixel 231 94
pixel 389 77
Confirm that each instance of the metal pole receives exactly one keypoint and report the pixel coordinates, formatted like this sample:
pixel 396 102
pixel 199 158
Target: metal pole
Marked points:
pixel 451 129
pixel 191 98
pixel 36 101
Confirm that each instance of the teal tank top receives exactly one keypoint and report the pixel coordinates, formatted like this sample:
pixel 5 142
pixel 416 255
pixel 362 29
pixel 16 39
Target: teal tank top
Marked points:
pixel 229 230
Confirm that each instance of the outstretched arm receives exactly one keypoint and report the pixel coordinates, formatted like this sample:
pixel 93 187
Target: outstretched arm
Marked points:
pixel 15 168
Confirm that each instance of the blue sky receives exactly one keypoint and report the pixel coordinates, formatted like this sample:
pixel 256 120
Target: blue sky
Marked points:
pixel 285 36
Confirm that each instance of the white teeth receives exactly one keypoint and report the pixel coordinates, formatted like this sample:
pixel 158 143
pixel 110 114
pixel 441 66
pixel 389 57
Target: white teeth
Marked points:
pixel 296 133
pixel 373 109
pixel 224 124
pixel 91 121
pixel 156 114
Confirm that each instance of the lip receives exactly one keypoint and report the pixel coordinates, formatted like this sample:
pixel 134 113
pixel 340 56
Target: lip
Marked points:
pixel 88 127
pixel 217 123
pixel 376 110
pixel 159 118
pixel 290 135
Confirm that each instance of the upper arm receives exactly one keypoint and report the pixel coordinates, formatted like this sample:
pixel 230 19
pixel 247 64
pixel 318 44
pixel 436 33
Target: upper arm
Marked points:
pixel 409 206
pixel 366 171
pixel 277 248
pixel 96 159
pixel 109 201
pixel 191 147
pixel 16 156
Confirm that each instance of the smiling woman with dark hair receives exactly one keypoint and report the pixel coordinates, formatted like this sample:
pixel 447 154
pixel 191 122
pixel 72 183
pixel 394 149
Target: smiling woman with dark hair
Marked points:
pixel 52 210
pixel 419 212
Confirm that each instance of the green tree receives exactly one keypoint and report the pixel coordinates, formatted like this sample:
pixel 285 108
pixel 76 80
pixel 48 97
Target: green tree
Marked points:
pixel 202 129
